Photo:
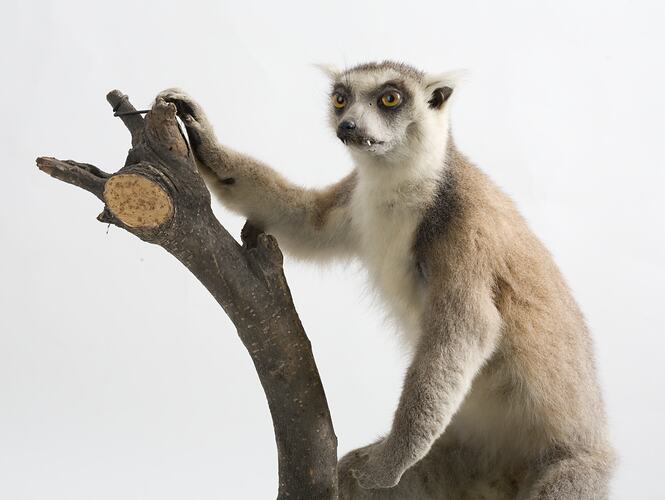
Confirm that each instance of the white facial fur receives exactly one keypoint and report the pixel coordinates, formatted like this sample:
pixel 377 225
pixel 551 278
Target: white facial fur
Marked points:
pixel 392 134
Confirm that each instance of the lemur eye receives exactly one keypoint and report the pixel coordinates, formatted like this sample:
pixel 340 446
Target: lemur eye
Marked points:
pixel 391 99
pixel 338 100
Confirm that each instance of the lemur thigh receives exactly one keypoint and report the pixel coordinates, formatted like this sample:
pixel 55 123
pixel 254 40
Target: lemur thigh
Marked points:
pixel 583 476
pixel 307 222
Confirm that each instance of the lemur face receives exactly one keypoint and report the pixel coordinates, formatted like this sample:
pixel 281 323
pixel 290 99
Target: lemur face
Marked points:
pixel 378 107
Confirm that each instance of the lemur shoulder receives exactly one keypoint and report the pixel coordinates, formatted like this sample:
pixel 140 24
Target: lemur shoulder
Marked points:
pixel 501 398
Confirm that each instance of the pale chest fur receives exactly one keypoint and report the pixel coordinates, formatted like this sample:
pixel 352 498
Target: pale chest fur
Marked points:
pixel 386 218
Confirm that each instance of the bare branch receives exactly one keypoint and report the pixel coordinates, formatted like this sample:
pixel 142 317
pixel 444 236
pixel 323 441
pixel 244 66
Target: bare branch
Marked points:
pixel 82 175
pixel 160 197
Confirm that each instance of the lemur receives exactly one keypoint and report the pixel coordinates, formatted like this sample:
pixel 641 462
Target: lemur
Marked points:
pixel 501 398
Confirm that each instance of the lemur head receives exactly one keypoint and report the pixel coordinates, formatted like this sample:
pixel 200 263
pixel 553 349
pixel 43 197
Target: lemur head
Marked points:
pixel 384 109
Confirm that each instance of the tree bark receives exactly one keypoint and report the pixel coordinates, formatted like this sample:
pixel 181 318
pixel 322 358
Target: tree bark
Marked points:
pixel 160 197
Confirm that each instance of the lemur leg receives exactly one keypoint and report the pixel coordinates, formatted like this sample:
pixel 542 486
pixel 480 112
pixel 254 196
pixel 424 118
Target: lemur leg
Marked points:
pixel 585 476
pixel 308 222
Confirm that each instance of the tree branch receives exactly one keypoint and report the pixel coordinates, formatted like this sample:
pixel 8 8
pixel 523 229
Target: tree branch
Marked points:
pixel 159 196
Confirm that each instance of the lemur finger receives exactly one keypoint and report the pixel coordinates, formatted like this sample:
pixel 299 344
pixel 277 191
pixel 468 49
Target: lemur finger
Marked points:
pixel 190 122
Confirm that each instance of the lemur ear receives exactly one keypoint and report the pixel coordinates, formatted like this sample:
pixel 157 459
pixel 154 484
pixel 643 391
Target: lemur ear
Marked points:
pixel 439 87
pixel 329 70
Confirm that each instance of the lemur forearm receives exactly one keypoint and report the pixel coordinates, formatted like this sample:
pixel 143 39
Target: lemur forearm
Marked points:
pixel 307 222
pixel 256 191
pixel 246 185
pixel 460 333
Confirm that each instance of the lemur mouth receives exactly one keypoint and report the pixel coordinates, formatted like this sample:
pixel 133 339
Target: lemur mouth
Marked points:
pixel 361 141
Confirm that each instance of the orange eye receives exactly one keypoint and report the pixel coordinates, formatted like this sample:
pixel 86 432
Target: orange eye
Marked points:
pixel 338 100
pixel 391 99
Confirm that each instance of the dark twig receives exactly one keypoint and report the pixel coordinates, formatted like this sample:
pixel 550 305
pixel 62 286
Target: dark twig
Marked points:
pixel 122 106
pixel 137 112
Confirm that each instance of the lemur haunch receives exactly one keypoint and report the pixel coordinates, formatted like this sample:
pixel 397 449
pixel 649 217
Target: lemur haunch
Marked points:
pixel 501 398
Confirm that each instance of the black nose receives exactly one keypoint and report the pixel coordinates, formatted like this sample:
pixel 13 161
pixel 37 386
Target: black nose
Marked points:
pixel 347 125
pixel 346 130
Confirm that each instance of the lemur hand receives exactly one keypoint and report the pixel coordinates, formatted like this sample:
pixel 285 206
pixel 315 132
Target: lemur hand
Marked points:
pixel 191 113
pixel 372 466
pixel 188 109
pixel 200 132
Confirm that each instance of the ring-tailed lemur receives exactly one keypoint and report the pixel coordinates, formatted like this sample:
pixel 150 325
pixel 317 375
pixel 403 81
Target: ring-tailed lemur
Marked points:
pixel 501 398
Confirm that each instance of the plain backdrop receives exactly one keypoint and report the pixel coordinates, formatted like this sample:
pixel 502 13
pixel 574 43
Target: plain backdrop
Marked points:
pixel 120 377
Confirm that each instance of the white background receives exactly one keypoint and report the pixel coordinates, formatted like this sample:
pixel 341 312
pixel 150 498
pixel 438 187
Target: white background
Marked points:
pixel 120 377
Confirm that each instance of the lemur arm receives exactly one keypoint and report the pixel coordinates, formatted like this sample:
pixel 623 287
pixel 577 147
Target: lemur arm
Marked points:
pixel 307 222
pixel 460 330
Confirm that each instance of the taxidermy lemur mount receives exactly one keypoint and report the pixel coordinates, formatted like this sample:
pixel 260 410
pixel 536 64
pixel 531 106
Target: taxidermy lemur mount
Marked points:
pixel 501 398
